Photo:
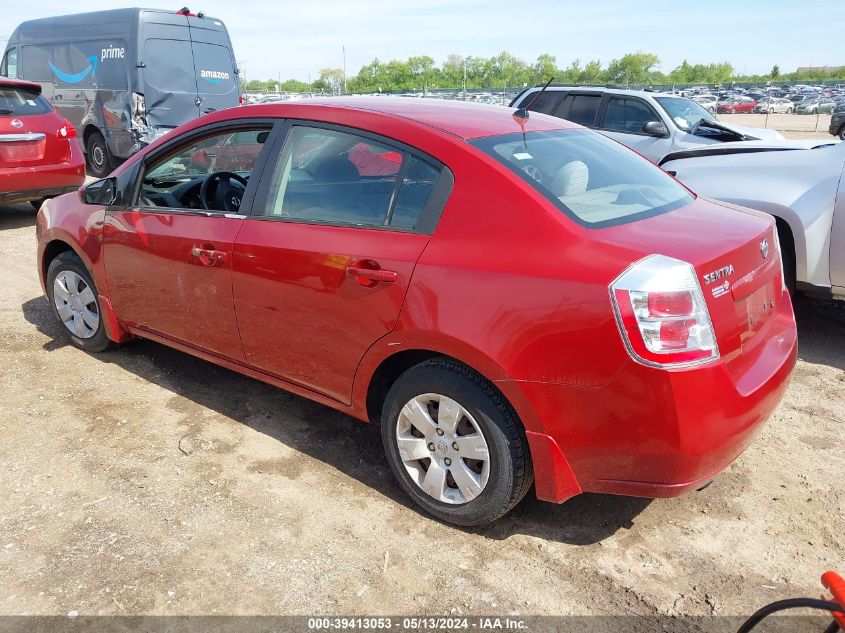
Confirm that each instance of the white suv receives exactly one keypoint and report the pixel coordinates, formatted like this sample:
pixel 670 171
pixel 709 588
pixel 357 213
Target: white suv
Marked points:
pixel 652 123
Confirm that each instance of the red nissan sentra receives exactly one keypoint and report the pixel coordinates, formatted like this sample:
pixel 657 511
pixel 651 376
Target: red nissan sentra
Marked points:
pixel 514 300
pixel 39 154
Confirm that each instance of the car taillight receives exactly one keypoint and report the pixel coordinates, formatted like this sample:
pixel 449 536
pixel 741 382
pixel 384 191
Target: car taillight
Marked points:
pixel 662 315
pixel 66 130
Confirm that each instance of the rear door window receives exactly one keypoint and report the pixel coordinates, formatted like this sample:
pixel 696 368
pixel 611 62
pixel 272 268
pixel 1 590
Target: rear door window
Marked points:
pixel 321 178
pixel 581 109
pixel 329 176
pixel 546 103
pixel 414 194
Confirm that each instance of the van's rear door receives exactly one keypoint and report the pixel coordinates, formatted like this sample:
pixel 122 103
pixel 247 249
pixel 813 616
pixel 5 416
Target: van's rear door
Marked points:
pixel 214 65
pixel 170 83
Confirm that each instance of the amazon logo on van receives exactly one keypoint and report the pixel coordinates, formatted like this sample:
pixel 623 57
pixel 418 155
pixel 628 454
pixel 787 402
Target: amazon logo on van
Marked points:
pixel 214 76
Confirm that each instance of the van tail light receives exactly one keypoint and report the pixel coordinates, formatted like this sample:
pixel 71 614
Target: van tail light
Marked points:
pixel 662 314
pixel 66 130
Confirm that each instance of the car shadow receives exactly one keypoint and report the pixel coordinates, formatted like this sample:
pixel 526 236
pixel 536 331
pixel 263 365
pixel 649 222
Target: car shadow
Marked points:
pixel 16 216
pixel 332 437
pixel 821 331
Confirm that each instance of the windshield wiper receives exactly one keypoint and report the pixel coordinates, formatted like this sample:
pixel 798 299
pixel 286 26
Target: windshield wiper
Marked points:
pixel 6 112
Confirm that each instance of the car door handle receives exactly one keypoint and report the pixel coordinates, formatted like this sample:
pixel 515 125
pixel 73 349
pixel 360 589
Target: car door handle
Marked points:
pixel 368 276
pixel 208 256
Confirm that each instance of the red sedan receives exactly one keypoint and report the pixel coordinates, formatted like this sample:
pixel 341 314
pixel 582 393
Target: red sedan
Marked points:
pixel 517 300
pixel 735 105
pixel 39 154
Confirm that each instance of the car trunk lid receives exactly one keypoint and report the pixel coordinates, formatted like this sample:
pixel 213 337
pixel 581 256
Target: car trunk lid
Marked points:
pixel 736 257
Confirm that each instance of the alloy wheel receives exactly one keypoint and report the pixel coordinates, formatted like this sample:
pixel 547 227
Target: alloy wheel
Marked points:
pixel 76 304
pixel 443 448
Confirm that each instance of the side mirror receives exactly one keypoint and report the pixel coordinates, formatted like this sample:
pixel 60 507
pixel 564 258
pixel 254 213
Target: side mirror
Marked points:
pixel 100 192
pixel 655 128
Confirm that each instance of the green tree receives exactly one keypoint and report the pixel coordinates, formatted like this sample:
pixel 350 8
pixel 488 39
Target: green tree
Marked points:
pixel 775 72
pixel 633 68
pixel 545 68
pixel 331 80
pixel 593 73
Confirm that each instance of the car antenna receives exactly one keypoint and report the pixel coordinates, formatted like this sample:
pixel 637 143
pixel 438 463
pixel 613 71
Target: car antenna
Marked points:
pixel 522 113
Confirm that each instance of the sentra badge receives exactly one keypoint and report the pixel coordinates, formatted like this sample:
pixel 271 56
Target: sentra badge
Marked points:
pixel 716 275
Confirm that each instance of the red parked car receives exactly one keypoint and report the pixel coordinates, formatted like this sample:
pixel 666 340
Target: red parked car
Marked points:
pixel 520 300
pixel 735 105
pixel 39 154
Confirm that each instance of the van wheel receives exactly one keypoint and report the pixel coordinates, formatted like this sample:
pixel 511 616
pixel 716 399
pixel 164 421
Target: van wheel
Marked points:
pixel 98 157
pixel 842 132
pixel 455 444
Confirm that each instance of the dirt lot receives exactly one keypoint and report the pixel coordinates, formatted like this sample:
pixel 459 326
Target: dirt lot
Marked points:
pixel 144 481
pixel 794 126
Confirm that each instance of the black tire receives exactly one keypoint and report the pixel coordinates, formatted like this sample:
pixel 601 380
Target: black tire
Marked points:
pixel 36 204
pixel 510 470
pixel 69 261
pixel 97 156
pixel 841 133
pixel 787 254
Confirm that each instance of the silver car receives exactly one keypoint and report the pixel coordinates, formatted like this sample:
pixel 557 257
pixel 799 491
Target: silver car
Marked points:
pixel 775 105
pixel 652 123
pixel 815 106
pixel 800 183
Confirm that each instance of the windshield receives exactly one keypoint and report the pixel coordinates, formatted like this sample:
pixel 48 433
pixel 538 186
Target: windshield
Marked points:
pixel 684 113
pixel 594 180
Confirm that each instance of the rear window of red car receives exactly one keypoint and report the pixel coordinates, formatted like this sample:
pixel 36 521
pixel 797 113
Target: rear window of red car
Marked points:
pixel 595 181
pixel 21 102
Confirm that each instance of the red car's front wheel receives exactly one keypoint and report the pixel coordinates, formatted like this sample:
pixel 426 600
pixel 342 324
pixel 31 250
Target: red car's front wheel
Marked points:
pixel 74 300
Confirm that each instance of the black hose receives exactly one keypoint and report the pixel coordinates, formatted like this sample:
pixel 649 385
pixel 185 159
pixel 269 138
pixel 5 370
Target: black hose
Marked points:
pixel 793 603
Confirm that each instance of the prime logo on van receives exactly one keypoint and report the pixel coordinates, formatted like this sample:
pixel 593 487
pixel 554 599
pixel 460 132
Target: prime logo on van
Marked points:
pixel 75 78
pixel 108 53
pixel 214 76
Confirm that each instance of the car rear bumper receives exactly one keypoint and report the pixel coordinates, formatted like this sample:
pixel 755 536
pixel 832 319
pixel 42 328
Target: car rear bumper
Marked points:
pixel 18 184
pixel 658 433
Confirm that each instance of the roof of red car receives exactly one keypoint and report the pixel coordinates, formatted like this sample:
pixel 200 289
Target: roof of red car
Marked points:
pixel 466 120
pixel 20 83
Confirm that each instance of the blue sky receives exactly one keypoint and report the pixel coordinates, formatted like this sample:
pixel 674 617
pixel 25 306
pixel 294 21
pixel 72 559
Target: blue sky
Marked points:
pixel 295 39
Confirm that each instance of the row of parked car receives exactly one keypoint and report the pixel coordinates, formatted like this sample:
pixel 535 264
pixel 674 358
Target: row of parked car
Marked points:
pixel 802 101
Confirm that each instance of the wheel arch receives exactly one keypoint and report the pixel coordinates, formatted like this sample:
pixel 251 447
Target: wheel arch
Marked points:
pixel 53 249
pixel 88 130
pixel 554 479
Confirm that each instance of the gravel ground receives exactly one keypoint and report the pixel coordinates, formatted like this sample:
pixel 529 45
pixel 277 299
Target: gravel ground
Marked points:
pixel 144 481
